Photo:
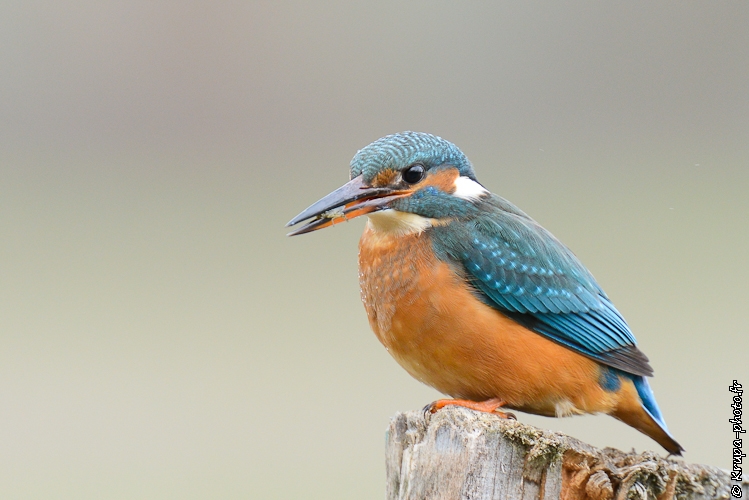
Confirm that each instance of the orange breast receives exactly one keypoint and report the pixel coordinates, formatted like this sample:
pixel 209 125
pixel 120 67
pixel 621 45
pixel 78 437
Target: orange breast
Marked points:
pixel 429 320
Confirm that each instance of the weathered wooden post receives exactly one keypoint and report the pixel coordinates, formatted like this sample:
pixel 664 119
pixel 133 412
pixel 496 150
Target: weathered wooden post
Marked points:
pixel 460 454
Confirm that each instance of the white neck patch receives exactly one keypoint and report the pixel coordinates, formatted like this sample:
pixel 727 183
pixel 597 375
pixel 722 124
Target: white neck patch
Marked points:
pixel 398 223
pixel 468 189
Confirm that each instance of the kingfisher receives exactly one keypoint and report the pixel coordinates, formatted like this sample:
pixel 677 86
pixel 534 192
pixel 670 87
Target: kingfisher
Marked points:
pixel 474 298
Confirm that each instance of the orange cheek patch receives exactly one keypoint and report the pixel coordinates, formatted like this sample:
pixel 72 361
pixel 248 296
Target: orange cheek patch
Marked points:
pixel 443 179
pixel 384 178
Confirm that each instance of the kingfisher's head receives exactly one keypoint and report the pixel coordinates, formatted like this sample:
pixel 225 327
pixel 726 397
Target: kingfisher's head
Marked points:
pixel 406 181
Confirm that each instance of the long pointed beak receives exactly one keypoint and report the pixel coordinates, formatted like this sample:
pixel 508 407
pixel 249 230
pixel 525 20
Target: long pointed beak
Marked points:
pixel 348 201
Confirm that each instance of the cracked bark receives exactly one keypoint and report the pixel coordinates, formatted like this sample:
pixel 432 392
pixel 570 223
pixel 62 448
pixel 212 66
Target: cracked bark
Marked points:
pixel 461 454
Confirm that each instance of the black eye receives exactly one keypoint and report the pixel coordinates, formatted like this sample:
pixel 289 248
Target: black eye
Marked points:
pixel 414 173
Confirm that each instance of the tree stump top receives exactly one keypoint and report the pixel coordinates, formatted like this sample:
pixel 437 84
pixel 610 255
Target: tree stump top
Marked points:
pixel 461 454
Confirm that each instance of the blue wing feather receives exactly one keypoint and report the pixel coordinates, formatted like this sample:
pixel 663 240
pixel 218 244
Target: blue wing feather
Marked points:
pixel 519 268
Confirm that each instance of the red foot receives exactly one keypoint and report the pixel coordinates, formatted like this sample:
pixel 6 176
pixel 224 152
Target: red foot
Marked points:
pixel 489 406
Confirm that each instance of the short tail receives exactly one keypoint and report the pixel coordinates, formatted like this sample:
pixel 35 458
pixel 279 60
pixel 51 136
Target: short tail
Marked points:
pixel 641 412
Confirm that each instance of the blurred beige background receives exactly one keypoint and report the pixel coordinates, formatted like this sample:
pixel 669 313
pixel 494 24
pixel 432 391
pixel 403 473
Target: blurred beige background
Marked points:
pixel 160 337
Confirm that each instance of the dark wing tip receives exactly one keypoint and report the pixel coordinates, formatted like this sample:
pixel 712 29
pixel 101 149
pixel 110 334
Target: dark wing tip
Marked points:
pixel 629 359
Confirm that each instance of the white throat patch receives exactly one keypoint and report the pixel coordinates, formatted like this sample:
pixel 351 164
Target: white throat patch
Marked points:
pixel 398 223
pixel 468 189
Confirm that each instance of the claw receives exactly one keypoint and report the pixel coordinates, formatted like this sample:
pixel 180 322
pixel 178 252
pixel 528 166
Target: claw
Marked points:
pixel 428 410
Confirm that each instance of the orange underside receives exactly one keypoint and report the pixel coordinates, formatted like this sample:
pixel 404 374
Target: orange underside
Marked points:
pixel 431 323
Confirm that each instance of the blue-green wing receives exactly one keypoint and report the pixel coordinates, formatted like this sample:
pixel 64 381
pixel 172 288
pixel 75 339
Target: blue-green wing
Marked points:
pixel 519 268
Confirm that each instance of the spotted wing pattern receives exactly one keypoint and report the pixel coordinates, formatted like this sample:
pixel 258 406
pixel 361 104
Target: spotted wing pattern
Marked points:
pixel 519 268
